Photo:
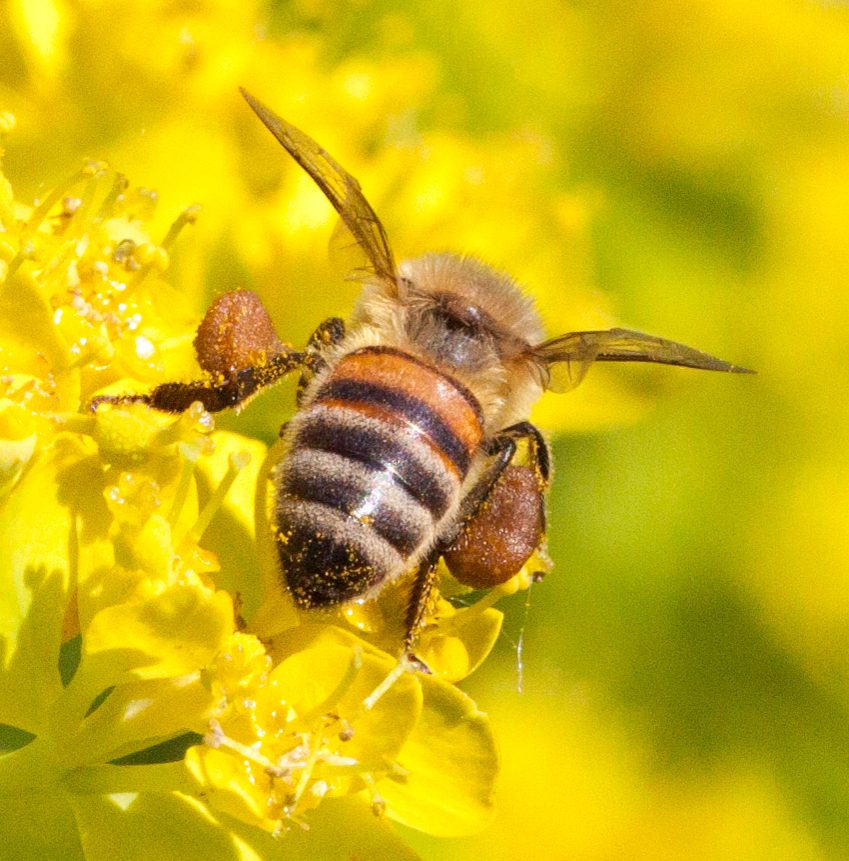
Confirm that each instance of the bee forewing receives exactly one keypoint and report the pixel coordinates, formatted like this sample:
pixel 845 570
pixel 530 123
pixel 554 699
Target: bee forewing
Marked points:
pixel 569 357
pixel 347 255
pixel 339 187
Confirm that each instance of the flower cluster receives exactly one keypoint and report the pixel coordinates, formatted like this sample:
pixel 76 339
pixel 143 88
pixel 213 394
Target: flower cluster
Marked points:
pixel 130 674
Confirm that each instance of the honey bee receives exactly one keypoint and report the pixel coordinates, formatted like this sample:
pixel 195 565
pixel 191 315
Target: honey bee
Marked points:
pixel 403 449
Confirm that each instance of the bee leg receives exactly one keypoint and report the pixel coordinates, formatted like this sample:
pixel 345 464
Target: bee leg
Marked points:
pixel 503 448
pixel 238 348
pixel 420 600
pixel 502 519
pixel 328 334
pixel 540 454
pixel 501 524
pixel 214 394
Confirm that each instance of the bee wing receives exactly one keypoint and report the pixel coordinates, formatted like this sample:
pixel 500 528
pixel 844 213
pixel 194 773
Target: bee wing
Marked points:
pixel 567 359
pixel 339 187
pixel 348 255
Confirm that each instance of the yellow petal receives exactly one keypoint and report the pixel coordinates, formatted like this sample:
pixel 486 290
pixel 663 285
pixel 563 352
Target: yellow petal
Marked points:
pixel 37 525
pixel 451 762
pixel 158 634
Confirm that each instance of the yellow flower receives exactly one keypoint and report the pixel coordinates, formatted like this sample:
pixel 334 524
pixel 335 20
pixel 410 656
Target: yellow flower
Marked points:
pixel 127 677
pixel 335 717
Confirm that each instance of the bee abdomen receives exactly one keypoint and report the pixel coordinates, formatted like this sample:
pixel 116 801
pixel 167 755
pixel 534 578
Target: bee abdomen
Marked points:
pixel 377 460
pixel 328 557
pixel 363 492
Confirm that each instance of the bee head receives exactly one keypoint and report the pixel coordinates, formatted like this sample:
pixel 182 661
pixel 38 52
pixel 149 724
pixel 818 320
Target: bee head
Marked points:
pixel 463 314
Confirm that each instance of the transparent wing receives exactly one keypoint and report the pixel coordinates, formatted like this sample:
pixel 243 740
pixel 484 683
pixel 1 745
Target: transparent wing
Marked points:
pixel 339 187
pixel 567 359
pixel 348 257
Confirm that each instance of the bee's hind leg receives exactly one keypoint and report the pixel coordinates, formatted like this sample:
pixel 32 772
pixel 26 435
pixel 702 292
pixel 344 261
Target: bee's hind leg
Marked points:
pixel 502 518
pixel 501 523
pixel 214 394
pixel 328 334
pixel 238 348
pixel 420 601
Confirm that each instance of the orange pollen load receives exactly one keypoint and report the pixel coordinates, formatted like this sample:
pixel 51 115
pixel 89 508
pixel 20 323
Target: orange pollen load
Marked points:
pixel 499 540
pixel 235 334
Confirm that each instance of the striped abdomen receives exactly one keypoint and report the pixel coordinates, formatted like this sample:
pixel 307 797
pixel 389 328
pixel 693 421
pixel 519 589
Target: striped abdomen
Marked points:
pixel 376 462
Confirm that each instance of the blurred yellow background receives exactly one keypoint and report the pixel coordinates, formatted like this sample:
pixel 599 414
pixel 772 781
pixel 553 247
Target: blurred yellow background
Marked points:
pixel 679 168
